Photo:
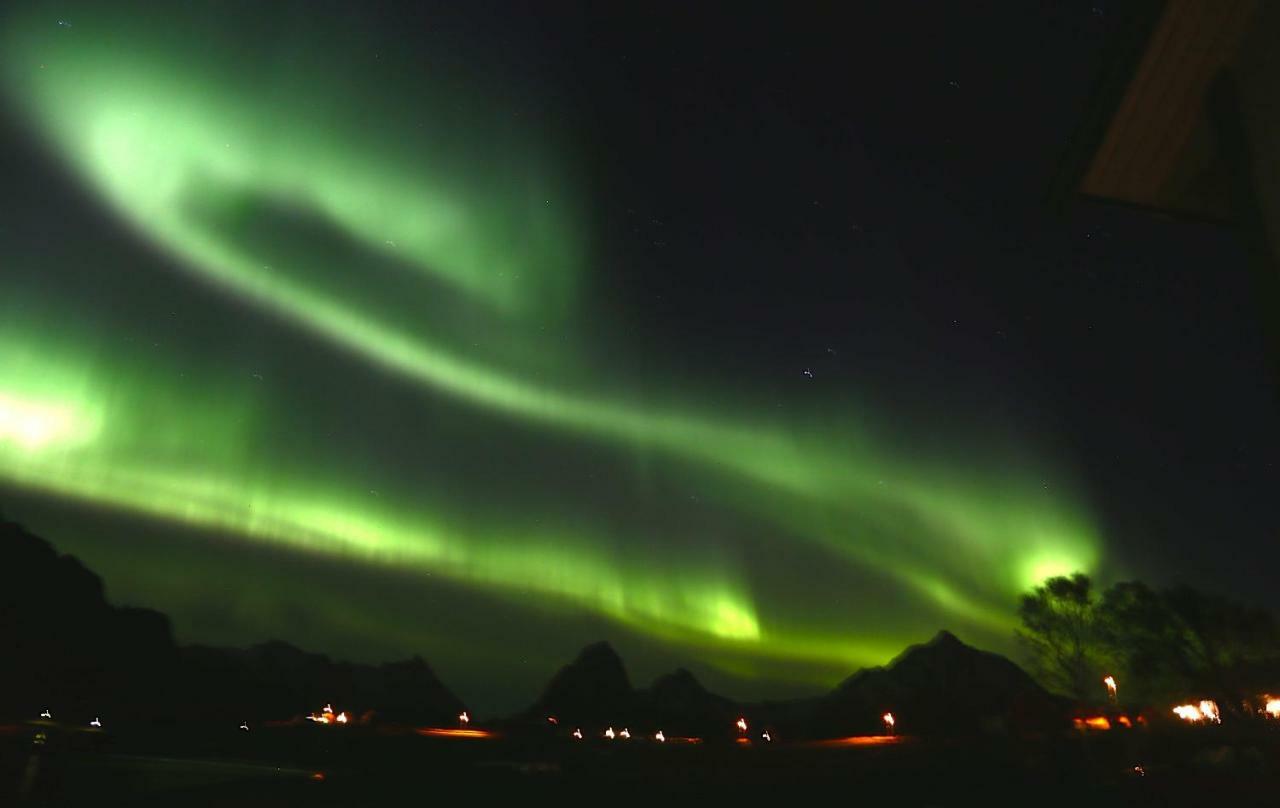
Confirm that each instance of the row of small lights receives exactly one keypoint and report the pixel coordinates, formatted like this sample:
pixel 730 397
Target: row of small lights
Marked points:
pixel 327 716
pixel 1206 710
pixel 96 723
pixel 889 723
pixel 658 736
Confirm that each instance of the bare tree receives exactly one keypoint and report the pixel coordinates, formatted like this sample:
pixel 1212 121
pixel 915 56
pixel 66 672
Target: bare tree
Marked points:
pixel 1061 631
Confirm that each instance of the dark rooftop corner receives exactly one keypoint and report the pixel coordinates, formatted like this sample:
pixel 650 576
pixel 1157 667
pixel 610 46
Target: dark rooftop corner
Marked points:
pixel 1184 122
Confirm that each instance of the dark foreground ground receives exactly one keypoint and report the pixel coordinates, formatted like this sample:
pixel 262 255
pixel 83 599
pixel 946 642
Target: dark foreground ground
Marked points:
pixel 355 766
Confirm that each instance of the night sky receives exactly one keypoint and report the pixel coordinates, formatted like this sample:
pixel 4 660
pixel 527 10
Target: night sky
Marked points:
pixel 748 342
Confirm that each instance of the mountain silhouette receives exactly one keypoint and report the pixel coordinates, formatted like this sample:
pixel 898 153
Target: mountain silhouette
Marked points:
pixel 70 647
pixel 941 687
pixel 77 654
pixel 276 681
pixel 678 704
pixel 65 644
pixel 592 689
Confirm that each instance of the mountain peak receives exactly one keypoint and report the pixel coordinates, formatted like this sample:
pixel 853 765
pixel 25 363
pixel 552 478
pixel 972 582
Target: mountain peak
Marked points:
pixel 597 652
pixel 942 685
pixel 679 702
pixel 680 686
pixel 594 685
pixel 944 637
pixel 680 678
pixel 944 645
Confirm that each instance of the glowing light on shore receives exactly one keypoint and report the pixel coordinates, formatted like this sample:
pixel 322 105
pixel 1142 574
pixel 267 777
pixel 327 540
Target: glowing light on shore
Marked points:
pixel 463 718
pixel 1206 711
pixel 659 737
pixel 610 734
pixel 1210 710
pixel 46 714
pixel 577 733
pixel 766 736
pixel 1272 706
pixel 889 722
pixel 1110 682
pixel 95 723
pixel 688 740
pixel 862 740
pixel 245 726
pixel 742 725
pixel 439 732
pixel 625 734
pixel 327 716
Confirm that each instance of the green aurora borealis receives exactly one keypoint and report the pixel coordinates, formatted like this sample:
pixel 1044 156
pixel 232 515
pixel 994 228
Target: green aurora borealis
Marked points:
pixel 429 406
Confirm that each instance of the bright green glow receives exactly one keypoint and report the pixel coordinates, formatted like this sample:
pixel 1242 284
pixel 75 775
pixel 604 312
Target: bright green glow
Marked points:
pixel 478 220
pixel 34 425
pixel 679 602
pixel 78 461
pixel 193 153
pixel 1038 569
